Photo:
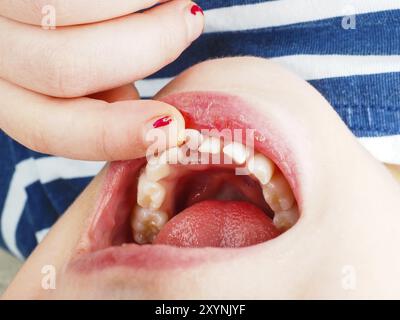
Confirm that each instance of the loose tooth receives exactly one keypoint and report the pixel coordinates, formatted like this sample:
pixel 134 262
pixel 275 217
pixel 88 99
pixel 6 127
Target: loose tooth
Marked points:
pixel 210 145
pixel 237 151
pixel 157 170
pixel 261 167
pixel 150 194
pixel 277 193
pixel 146 224
pixel 193 139
pixel 284 220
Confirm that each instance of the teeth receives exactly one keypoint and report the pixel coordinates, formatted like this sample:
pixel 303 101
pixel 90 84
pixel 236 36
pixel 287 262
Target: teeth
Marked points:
pixel 146 224
pixel 284 220
pixel 210 145
pixel 237 151
pixel 150 194
pixel 193 139
pixel 173 156
pixel 261 167
pixel 157 170
pixel 277 193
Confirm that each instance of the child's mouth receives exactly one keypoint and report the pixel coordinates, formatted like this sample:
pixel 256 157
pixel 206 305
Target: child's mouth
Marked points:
pixel 166 208
pixel 205 203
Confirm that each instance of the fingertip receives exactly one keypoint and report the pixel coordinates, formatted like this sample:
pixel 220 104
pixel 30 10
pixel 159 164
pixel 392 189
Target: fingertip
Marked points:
pixel 168 128
pixel 194 15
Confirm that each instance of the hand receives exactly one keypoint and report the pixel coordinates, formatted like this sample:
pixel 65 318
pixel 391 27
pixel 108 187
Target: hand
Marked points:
pixel 97 46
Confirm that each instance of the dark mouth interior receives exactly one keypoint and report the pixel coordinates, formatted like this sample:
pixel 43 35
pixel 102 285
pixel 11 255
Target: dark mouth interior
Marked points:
pixel 218 184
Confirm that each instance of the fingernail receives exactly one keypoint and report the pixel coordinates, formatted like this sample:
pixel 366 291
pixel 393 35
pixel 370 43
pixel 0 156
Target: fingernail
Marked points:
pixel 194 20
pixel 196 9
pixel 162 122
pixel 166 131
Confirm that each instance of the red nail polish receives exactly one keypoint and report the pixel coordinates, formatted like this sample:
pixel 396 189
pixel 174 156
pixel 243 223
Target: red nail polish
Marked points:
pixel 162 122
pixel 195 8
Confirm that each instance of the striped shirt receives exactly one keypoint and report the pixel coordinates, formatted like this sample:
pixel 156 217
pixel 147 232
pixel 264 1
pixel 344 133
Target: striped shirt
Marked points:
pixel 349 50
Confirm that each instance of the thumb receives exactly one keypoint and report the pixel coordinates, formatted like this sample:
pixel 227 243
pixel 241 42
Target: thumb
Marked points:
pixel 88 129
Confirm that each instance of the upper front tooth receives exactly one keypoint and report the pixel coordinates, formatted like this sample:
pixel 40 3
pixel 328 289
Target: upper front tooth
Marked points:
pixel 147 223
pixel 157 170
pixel 210 145
pixel 237 151
pixel 261 167
pixel 150 194
pixel 277 193
pixel 193 139
pixel 284 220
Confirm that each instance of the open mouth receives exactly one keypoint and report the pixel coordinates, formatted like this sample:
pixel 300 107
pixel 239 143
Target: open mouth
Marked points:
pixel 195 196
pixel 213 191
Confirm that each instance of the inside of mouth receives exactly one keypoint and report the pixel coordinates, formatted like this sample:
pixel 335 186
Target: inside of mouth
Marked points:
pixel 238 200
pixel 220 184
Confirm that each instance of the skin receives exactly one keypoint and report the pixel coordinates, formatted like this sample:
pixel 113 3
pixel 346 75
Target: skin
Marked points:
pixel 40 68
pixel 348 227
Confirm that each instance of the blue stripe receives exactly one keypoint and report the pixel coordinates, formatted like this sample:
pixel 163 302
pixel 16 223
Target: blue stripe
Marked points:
pixel 322 37
pixel 369 105
pixel 11 153
pixel 46 203
pixel 62 192
pixel 25 234
pixel 207 4
pixel 39 201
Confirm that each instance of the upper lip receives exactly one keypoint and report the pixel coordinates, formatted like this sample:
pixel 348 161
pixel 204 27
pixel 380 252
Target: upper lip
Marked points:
pixel 202 110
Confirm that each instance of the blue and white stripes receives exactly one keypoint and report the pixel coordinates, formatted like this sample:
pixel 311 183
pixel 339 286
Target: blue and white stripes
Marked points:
pixel 357 69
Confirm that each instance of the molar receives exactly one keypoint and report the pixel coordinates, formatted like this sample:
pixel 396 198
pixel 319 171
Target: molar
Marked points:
pixel 146 224
pixel 150 194
pixel 157 170
pixel 284 220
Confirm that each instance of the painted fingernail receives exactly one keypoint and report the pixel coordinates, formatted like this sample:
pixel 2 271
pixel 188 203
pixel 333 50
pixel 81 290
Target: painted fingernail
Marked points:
pixel 162 122
pixel 196 9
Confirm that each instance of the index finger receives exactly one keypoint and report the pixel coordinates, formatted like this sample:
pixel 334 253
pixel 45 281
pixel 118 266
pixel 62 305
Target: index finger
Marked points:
pixel 70 12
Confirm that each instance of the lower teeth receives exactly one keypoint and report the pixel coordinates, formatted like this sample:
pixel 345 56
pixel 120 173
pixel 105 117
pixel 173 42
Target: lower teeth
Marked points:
pixel 284 220
pixel 146 224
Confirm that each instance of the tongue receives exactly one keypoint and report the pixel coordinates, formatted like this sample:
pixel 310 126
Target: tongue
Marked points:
pixel 213 223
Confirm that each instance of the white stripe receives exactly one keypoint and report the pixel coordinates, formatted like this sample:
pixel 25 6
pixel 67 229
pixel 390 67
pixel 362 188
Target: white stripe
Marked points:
pixel 53 168
pixel 41 234
pixel 285 12
pixel 385 149
pixel 312 67
pixel 149 87
pixel 309 67
pixel 26 173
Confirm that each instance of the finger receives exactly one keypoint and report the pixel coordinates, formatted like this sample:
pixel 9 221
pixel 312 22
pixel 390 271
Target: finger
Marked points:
pixel 70 12
pixel 77 61
pixel 85 128
pixel 127 92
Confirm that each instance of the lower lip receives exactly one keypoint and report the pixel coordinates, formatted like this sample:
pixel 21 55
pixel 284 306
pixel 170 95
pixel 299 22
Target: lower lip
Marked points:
pixel 93 251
